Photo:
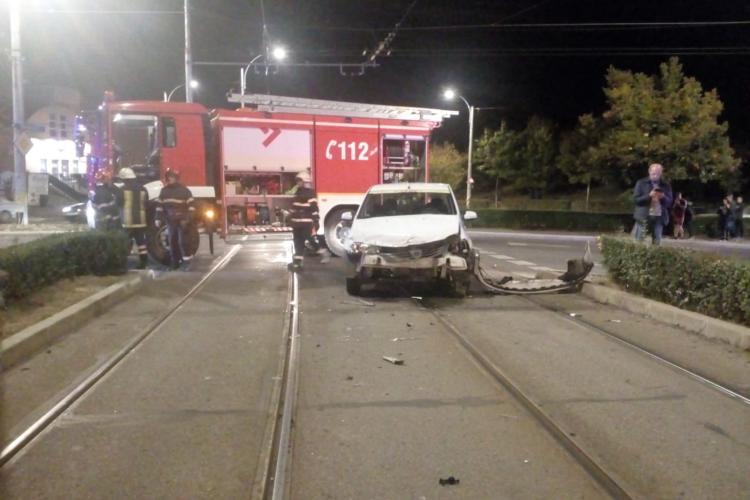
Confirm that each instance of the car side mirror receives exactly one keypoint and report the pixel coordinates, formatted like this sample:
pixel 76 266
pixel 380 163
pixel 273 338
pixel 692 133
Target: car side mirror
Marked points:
pixel 470 215
pixel 347 216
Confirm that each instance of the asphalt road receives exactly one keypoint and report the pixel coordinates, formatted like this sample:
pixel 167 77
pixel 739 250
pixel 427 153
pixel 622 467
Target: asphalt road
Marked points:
pixel 185 415
pixel 526 254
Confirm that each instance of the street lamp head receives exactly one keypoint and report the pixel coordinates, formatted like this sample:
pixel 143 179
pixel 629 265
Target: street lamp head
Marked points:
pixel 449 94
pixel 279 53
pixel 194 84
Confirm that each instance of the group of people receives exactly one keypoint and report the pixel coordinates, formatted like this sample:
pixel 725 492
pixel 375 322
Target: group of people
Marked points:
pixel 125 208
pixel 730 214
pixel 656 208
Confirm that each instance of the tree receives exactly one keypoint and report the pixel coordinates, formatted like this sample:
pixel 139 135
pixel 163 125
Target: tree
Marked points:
pixel 447 165
pixel 666 118
pixel 496 154
pixel 538 152
pixel 578 159
pixel 523 160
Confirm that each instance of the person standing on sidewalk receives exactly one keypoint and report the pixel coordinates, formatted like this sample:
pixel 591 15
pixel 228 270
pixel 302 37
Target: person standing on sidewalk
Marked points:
pixel 303 217
pixel 739 212
pixel 679 211
pixel 652 196
pixel 175 206
pixel 133 200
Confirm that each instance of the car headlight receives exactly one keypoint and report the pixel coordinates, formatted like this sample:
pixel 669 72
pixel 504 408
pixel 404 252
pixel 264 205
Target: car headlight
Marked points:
pixel 66 210
pixel 210 214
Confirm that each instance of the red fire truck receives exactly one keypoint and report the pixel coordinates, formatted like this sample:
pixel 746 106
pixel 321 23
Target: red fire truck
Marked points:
pixel 240 164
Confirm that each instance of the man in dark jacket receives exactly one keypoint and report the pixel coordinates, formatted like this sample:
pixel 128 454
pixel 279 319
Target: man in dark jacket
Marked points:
pixel 104 202
pixel 133 199
pixel 653 199
pixel 303 217
pixel 176 207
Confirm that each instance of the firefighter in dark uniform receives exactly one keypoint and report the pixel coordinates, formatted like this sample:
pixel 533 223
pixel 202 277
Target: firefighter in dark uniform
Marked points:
pixel 175 207
pixel 104 202
pixel 303 217
pixel 133 200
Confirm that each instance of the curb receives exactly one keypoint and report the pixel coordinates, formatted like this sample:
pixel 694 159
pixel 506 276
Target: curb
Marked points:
pixel 712 328
pixel 36 337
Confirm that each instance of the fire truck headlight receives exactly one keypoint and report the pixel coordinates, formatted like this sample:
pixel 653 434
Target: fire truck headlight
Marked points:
pixel 210 214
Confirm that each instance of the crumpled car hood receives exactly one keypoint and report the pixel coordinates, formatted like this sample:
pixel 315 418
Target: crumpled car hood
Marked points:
pixel 404 230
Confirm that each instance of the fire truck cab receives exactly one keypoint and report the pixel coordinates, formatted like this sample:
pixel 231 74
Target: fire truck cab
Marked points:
pixel 241 164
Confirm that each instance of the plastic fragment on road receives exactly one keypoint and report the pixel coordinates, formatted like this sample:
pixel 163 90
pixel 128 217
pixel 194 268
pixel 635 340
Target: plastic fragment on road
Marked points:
pixel 359 302
pixel 401 339
pixel 448 481
pixel 615 321
pixel 573 315
pixel 393 361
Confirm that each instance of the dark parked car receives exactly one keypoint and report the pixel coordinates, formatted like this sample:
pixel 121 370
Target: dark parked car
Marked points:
pixel 75 213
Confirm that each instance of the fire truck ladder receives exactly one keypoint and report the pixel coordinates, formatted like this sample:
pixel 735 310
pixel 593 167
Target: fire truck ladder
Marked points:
pixel 280 104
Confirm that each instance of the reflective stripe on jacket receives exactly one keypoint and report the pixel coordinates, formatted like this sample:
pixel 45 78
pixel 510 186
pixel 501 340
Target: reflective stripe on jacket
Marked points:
pixel 304 210
pixel 175 202
pixel 134 199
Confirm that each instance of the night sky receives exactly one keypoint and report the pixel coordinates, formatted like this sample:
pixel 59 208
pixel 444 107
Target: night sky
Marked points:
pixel 551 71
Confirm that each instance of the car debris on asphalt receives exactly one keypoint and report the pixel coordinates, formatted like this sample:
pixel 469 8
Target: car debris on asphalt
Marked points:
pixel 449 481
pixel 394 361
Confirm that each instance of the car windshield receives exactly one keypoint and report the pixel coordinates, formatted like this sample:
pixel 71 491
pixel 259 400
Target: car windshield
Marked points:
pixel 406 203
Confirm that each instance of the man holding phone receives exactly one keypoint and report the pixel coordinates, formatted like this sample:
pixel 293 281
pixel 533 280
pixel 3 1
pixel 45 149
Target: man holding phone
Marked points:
pixel 653 202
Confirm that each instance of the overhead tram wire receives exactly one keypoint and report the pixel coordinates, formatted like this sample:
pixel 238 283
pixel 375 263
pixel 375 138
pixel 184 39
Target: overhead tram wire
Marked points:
pixel 599 26
pixel 385 44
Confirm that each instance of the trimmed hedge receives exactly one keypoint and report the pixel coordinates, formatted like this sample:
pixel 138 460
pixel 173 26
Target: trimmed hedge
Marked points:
pixel 560 220
pixel 42 262
pixel 696 281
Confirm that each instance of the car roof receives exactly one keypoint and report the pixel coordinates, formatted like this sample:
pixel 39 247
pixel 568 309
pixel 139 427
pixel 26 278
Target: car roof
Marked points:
pixel 410 187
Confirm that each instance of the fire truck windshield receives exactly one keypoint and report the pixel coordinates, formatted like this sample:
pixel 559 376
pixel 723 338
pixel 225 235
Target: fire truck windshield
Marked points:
pixel 134 140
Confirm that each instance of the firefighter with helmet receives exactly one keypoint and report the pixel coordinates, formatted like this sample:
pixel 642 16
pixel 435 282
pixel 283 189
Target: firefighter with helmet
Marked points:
pixel 175 207
pixel 133 199
pixel 104 202
pixel 303 217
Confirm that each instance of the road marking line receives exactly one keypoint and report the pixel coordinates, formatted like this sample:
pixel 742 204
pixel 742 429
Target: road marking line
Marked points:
pixel 524 275
pixel 543 245
pixel 500 256
pixel 522 262
pixel 543 268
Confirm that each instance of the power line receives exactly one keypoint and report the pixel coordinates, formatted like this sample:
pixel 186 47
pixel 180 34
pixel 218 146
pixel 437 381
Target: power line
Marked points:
pixel 522 11
pixel 386 42
pixel 108 12
pixel 551 26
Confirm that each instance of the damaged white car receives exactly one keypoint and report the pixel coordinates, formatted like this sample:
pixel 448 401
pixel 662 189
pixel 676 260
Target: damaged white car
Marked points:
pixel 411 232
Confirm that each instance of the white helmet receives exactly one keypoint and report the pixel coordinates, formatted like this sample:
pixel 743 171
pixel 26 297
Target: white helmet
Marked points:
pixel 126 173
pixel 303 176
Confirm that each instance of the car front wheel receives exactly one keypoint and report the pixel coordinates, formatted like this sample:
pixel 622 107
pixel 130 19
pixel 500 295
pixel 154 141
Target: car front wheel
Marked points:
pixel 353 285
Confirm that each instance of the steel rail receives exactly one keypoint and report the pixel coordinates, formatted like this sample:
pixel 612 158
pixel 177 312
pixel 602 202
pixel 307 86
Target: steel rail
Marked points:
pixel 723 389
pixel 33 430
pixel 604 478
pixel 284 445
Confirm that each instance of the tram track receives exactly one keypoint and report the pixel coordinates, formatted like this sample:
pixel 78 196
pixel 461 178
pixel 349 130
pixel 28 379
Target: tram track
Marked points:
pixel 598 472
pixel 19 442
pixel 725 389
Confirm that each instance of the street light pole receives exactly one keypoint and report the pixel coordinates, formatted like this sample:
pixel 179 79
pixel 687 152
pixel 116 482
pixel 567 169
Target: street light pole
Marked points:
pixel 469 180
pixel 188 56
pixel 19 162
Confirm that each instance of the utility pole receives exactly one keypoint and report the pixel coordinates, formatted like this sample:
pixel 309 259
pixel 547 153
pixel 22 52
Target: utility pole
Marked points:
pixel 188 56
pixel 19 178
pixel 469 179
